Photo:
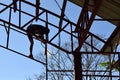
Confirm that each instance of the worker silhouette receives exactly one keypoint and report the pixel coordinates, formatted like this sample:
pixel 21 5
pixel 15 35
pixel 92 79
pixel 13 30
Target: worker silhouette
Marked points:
pixel 38 31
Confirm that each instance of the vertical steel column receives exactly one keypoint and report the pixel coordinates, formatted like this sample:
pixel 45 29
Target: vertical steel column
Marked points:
pixel 82 30
pixel 59 36
pixel 77 66
pixel 71 37
pixel 119 64
pixel 15 5
pixel 37 9
pixel 20 13
pixel 81 25
pixel 46 48
pixel 110 71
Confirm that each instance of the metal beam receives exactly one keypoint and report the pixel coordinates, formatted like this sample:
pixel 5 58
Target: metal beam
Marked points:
pixel 62 13
pixel 82 37
pixel 54 45
pixel 22 54
pixel 37 9
pixel 79 29
pixel 15 5
pixel 110 9
pixel 82 15
pixel 94 13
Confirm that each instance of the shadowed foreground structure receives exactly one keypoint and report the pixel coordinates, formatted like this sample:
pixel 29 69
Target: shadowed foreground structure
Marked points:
pixel 108 10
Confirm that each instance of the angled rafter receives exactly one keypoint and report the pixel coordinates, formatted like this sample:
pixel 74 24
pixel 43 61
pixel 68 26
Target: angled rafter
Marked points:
pixel 82 37
pixel 62 13
pixel 94 13
pixel 8 6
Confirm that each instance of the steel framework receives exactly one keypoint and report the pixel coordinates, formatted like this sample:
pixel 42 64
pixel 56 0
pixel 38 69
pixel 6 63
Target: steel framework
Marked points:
pixel 81 28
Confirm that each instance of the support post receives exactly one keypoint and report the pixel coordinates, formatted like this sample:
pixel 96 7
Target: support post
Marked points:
pixel 82 28
pixel 20 13
pixel 37 9
pixel 15 5
pixel 46 48
pixel 77 66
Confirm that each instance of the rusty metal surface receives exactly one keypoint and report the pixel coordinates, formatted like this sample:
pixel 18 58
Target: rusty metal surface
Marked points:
pixel 110 9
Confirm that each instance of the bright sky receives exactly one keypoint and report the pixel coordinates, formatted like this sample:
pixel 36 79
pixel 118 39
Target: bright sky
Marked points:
pixel 16 67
